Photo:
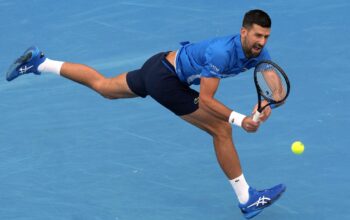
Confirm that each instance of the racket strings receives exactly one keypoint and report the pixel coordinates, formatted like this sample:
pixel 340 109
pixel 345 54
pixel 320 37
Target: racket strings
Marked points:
pixel 271 83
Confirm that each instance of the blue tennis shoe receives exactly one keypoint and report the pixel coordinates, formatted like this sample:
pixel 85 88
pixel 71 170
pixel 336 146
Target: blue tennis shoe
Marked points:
pixel 27 63
pixel 258 200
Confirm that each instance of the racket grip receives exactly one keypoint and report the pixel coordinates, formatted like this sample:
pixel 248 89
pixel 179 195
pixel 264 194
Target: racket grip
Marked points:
pixel 256 116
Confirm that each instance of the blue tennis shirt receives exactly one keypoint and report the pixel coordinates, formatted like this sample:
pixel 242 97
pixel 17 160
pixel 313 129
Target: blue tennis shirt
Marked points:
pixel 219 57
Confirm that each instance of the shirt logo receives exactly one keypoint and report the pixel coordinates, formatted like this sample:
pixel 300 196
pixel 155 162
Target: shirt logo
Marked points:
pixel 215 68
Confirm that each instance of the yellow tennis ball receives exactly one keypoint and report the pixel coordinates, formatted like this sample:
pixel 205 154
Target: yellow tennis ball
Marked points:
pixel 297 147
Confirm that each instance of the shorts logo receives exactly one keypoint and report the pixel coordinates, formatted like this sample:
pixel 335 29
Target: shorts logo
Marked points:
pixel 196 100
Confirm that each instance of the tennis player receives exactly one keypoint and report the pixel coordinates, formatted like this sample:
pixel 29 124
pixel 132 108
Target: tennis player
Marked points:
pixel 167 77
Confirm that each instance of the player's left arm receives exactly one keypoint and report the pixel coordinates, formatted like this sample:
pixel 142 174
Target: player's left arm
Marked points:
pixel 274 83
pixel 267 111
pixel 265 114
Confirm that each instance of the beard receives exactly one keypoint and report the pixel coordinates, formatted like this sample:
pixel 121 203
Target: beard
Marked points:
pixel 252 51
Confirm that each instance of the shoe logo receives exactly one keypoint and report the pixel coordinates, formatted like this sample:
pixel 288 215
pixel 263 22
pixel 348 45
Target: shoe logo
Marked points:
pixel 261 201
pixel 24 69
pixel 196 100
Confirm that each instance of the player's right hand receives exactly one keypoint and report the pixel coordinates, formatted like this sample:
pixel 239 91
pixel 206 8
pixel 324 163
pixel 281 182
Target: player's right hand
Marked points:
pixel 249 125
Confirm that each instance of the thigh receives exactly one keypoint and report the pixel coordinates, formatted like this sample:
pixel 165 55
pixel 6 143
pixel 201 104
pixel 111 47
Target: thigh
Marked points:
pixel 207 122
pixel 120 88
pixel 158 79
pixel 135 82
pixel 170 92
pixel 136 79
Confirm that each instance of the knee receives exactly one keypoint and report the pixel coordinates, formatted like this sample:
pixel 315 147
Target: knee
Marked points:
pixel 221 130
pixel 101 86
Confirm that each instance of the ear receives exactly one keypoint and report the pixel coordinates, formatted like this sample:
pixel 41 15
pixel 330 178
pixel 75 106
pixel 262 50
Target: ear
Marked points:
pixel 244 31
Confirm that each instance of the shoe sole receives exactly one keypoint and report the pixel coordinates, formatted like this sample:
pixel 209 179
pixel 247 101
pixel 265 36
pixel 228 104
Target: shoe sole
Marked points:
pixel 252 214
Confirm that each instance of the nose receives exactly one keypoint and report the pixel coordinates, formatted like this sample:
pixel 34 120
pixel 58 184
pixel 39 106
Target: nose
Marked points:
pixel 262 41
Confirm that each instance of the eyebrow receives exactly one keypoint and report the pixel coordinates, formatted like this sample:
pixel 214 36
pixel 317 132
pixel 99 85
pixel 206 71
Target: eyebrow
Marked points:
pixel 262 35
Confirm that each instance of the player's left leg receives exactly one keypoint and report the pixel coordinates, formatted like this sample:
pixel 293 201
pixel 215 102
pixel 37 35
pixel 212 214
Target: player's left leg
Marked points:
pixel 252 201
pixel 112 88
pixel 34 61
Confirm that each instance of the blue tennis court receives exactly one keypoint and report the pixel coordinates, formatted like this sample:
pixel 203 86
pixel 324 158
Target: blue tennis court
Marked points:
pixel 68 153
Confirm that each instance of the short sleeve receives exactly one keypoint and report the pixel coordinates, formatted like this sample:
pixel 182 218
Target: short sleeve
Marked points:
pixel 216 60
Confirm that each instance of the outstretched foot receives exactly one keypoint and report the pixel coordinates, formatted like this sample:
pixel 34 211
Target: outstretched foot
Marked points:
pixel 27 63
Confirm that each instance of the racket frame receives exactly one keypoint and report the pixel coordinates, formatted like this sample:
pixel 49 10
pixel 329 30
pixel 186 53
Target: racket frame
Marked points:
pixel 270 102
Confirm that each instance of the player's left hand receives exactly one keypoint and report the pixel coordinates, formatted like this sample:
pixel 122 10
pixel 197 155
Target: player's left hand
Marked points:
pixel 265 114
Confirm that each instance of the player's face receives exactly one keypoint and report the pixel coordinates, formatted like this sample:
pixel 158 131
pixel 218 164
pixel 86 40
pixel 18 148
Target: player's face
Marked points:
pixel 254 39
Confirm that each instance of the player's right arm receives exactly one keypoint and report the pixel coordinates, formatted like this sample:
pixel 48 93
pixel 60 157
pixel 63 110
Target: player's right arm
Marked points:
pixel 216 59
pixel 208 102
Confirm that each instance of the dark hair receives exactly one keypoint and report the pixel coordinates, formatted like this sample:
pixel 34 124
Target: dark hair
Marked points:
pixel 258 17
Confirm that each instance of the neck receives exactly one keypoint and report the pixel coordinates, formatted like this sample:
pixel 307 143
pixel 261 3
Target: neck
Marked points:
pixel 246 53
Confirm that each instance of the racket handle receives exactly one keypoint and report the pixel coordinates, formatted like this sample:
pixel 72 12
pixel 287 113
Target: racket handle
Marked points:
pixel 256 116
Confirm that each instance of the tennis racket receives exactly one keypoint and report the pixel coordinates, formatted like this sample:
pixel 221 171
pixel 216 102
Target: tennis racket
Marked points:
pixel 272 85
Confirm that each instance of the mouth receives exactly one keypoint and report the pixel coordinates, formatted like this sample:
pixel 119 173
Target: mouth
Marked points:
pixel 257 48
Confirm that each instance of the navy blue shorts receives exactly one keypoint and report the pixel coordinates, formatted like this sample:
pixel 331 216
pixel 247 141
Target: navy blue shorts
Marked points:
pixel 158 79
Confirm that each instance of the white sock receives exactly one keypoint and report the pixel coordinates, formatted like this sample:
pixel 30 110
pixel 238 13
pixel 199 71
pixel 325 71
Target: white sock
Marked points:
pixel 50 66
pixel 241 188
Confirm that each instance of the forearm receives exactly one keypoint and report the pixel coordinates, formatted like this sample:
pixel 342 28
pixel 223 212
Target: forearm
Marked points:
pixel 215 108
pixel 208 103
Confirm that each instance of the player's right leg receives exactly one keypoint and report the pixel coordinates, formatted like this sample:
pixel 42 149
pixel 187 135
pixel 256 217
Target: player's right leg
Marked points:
pixel 34 61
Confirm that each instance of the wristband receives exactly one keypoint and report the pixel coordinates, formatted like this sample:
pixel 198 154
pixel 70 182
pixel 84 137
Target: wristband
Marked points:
pixel 236 118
